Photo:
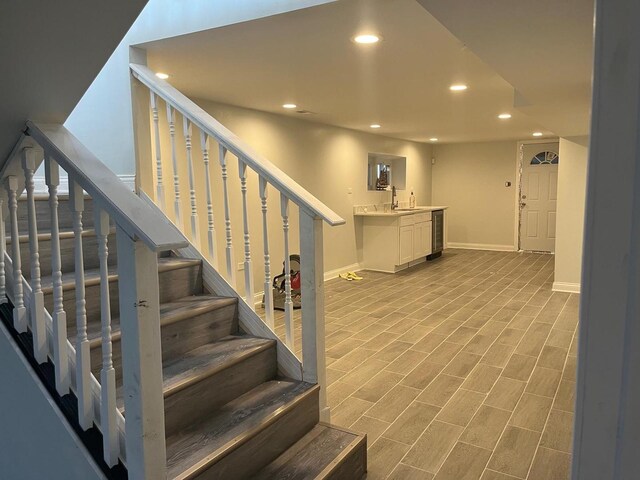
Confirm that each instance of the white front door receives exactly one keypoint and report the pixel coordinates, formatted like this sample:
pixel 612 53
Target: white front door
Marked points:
pixel 538 195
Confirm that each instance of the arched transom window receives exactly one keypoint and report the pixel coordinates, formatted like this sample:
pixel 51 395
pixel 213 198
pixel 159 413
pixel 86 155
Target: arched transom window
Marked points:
pixel 545 158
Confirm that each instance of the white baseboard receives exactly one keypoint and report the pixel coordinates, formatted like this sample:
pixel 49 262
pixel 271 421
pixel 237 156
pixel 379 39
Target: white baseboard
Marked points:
pixel 481 246
pixel 566 287
pixel 40 185
pixel 331 274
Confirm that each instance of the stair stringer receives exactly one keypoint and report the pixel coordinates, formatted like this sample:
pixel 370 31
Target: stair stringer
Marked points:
pixel 71 356
pixel 250 321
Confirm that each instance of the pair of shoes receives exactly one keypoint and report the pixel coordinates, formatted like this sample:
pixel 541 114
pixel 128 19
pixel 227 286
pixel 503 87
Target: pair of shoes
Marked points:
pixel 353 276
pixel 345 276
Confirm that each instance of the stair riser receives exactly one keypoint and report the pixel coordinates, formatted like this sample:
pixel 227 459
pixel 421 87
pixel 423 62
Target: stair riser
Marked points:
pixel 266 446
pixel 43 215
pixel 186 335
pixel 353 466
pixel 196 401
pixel 67 254
pixel 177 338
pixel 174 284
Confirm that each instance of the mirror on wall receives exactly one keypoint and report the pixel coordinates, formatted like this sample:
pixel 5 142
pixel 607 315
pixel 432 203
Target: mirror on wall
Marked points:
pixel 385 170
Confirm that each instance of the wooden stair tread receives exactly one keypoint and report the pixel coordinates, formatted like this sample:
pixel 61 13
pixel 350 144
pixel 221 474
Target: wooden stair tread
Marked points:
pixel 183 308
pixel 314 456
pixel 204 361
pixel 210 359
pixel 193 449
pixel 92 275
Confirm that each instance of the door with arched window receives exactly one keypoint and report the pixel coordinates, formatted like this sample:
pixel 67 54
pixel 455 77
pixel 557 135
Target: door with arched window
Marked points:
pixel 538 196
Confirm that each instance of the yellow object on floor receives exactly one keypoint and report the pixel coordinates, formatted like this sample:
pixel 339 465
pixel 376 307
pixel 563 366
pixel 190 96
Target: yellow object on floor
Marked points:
pixel 353 276
pixel 345 276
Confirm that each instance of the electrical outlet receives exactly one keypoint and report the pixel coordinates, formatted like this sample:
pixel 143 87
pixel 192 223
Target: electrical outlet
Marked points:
pixel 240 266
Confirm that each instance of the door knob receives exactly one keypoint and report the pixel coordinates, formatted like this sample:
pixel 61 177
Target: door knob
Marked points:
pixel 522 204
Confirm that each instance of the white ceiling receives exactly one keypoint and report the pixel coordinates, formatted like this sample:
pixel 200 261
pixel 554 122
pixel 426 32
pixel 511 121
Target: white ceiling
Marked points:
pixel 306 57
pixel 544 48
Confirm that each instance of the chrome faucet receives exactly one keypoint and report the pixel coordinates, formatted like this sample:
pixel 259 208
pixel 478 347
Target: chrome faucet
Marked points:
pixel 394 198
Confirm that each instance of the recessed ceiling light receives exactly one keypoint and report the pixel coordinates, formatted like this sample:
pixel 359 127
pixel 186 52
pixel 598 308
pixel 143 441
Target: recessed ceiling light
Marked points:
pixel 434 139
pixel 537 134
pixel 457 88
pixel 504 116
pixel 374 125
pixel 366 38
pixel 289 106
pixel 162 76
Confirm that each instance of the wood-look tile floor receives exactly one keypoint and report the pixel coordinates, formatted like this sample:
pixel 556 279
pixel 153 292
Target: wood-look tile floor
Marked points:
pixel 461 368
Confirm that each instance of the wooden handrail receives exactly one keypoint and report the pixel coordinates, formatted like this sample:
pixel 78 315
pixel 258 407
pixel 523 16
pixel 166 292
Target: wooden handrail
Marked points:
pixel 127 209
pixel 205 122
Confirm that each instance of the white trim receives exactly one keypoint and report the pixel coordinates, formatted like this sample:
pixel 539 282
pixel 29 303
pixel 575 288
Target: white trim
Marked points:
pixel 566 287
pixel 482 246
pixel 40 185
pixel 331 274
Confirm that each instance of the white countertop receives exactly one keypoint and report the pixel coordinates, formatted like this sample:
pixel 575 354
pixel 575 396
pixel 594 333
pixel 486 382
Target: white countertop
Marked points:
pixel 398 213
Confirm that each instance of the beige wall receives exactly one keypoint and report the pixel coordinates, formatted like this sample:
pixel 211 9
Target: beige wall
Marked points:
pixel 328 161
pixel 572 181
pixel 470 178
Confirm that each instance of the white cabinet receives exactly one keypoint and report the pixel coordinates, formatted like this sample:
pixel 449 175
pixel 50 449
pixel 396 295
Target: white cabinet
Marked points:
pixel 407 244
pixel 392 243
pixel 421 239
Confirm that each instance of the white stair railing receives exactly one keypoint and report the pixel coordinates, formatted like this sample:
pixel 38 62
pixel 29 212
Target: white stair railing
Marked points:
pixel 141 233
pixel 312 213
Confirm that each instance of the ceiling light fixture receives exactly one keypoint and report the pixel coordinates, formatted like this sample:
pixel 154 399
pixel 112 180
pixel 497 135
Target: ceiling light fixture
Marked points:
pixel 457 88
pixel 434 139
pixel 537 134
pixel 289 106
pixel 504 116
pixel 162 76
pixel 374 125
pixel 366 39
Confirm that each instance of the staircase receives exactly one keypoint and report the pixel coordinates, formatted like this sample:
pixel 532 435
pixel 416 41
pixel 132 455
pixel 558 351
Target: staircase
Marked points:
pixel 229 407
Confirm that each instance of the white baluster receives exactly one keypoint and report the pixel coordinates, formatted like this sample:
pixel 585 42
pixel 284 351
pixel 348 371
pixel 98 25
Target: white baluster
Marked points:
pixel 288 304
pixel 36 306
pixel 171 118
pixel 211 232
pixel 312 292
pixel 231 271
pixel 19 310
pixel 248 269
pixel 107 374
pixel 156 132
pixel 83 350
pixel 59 316
pixel 3 249
pixel 268 289
pixel 187 129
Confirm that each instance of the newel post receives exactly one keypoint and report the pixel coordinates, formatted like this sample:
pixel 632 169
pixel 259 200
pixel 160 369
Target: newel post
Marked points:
pixel 141 358
pixel 312 286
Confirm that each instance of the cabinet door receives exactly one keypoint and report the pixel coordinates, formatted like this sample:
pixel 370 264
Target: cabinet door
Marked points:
pixel 422 239
pixel 418 240
pixel 406 244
